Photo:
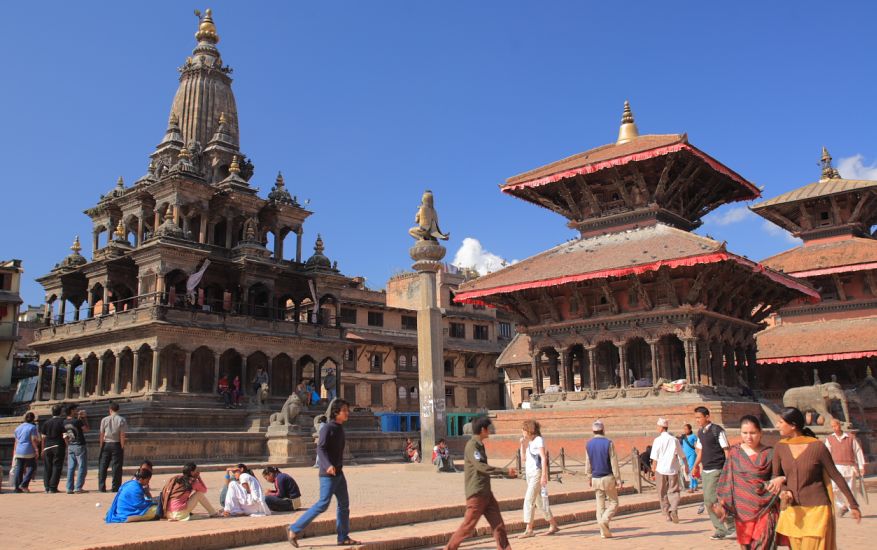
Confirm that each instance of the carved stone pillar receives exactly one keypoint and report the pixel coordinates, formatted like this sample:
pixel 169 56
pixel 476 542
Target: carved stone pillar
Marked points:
pixel 117 374
pixel 187 371
pixel 135 371
pixel 689 346
pixel 63 311
pixel 177 215
pixel 156 221
pixel 68 383
pixel 592 365
pixel 752 370
pixel 567 378
pixel 38 396
pixel 82 377
pixel 653 352
pixel 228 231
pixel 298 235
pixel 703 362
pixel 94 241
pixel 245 381
pixel 622 364
pixel 278 245
pixel 537 372
pixel 98 387
pixel 138 238
pixel 156 366
pixel 202 231
pixel 216 371
pixel 105 305
pixel 53 382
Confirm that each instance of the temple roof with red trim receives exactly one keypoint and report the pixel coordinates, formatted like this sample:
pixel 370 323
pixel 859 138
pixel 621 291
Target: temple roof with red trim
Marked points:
pixel 612 255
pixel 816 341
pixel 849 254
pixel 823 188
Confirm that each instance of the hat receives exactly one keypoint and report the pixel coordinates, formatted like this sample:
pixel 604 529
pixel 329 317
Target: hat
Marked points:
pixel 663 422
pixel 597 426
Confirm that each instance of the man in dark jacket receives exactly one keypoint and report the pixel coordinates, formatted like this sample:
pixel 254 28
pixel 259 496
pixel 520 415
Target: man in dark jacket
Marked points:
pixel 330 455
pixel 54 449
pixel 479 498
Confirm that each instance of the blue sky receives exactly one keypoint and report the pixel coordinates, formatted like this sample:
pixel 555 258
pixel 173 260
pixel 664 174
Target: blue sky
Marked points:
pixel 363 105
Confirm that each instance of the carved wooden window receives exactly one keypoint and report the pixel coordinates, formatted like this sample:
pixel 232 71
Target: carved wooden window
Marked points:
pixel 449 367
pixel 377 391
pixel 472 397
pixel 449 396
pixel 505 330
pixel 480 332
pixel 472 367
pixel 376 362
pixel 458 330
pixel 403 362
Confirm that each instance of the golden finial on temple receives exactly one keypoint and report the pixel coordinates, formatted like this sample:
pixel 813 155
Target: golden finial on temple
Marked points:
pixel 234 167
pixel 828 171
pixel 222 118
pixel 207 29
pixel 120 183
pixel 184 153
pixel 76 247
pixel 628 129
pixel 120 231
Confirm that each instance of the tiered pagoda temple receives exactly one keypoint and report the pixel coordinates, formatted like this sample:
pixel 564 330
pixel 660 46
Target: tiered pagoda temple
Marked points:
pixel 181 288
pixel 837 337
pixel 637 299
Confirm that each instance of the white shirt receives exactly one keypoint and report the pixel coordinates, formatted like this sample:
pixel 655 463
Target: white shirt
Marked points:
pixel 533 455
pixel 665 450
pixel 857 450
pixel 723 441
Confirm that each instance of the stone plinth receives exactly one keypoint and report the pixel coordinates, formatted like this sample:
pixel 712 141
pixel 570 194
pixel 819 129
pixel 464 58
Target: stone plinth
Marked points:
pixel 290 445
pixel 427 257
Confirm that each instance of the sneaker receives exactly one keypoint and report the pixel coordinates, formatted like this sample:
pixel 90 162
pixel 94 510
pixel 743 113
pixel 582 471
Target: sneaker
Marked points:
pixel 19 490
pixel 701 509
pixel 79 491
pixel 717 536
pixel 674 517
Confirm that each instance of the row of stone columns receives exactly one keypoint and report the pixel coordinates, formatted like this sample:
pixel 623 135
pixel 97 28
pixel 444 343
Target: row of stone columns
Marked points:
pixel 701 366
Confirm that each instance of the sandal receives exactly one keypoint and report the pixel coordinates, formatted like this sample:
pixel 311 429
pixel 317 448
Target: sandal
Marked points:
pixel 551 531
pixel 349 542
pixel 526 535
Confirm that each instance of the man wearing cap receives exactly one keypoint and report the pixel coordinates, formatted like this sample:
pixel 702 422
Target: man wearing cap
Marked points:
pixel 665 457
pixel 601 465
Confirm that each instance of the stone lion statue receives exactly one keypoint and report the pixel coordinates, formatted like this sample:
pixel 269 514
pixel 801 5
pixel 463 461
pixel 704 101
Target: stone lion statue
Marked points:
pixel 818 398
pixel 262 395
pixel 288 413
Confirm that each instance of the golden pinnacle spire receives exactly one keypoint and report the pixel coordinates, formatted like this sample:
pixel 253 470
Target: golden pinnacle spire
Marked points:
pixel 628 129
pixel 206 30
pixel 234 167
pixel 222 118
pixel 279 181
pixel 120 231
pixel 76 247
pixel 318 245
pixel 828 171
pixel 120 183
pixel 174 120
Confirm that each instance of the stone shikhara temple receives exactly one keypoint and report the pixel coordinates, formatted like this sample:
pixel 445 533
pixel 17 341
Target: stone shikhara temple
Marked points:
pixel 637 299
pixel 180 261
pixel 837 337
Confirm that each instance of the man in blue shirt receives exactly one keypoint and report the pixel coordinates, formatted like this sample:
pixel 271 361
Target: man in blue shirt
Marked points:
pixel 25 452
pixel 601 465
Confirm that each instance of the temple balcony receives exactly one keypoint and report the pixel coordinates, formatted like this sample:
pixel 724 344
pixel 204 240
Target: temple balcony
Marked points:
pixel 149 309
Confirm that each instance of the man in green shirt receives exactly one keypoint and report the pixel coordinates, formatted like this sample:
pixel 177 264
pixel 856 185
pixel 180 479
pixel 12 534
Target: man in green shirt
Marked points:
pixel 479 498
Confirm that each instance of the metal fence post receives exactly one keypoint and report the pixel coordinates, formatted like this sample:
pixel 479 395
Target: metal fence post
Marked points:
pixel 518 460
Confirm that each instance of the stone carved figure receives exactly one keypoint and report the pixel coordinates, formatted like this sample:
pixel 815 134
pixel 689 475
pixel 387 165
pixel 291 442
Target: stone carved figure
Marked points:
pixel 251 228
pixel 288 413
pixel 427 228
pixel 818 397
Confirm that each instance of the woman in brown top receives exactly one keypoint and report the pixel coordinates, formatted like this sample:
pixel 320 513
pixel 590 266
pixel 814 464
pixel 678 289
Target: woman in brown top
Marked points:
pixel 802 470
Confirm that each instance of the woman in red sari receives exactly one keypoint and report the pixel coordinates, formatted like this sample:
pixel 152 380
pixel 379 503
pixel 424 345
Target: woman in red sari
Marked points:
pixel 742 489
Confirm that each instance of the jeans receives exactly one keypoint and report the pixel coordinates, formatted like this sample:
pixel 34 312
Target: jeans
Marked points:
pixel 710 484
pixel 277 504
pixel 77 466
pixel 23 470
pixel 111 456
pixel 53 462
pixel 331 394
pixel 329 485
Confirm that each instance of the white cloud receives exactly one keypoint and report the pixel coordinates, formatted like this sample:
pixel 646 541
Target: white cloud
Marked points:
pixel 776 231
pixel 471 254
pixel 854 168
pixel 730 216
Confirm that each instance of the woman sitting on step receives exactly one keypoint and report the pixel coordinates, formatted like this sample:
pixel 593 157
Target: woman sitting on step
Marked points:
pixel 182 493
pixel 132 503
pixel 244 496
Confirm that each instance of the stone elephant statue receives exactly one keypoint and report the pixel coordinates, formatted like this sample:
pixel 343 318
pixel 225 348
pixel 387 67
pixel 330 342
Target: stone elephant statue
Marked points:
pixel 818 397
pixel 288 413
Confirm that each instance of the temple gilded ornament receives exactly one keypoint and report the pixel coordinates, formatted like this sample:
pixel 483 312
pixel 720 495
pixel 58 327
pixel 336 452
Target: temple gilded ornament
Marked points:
pixel 628 130
pixel 207 29
pixel 828 171
pixel 427 228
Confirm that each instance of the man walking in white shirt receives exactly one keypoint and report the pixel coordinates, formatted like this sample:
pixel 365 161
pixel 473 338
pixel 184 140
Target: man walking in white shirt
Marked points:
pixel 666 456
pixel 849 459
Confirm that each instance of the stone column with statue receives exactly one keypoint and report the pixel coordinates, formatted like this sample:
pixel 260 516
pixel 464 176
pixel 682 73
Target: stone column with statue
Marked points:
pixel 427 254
